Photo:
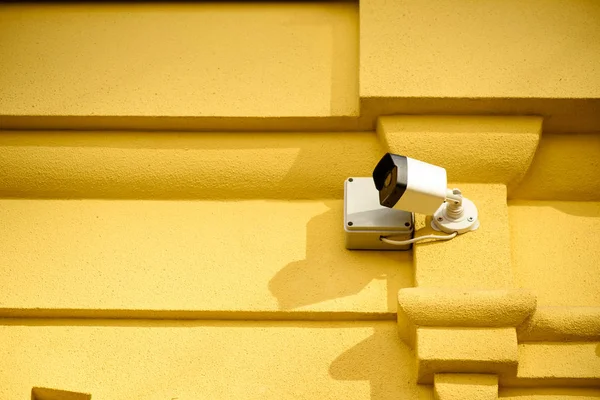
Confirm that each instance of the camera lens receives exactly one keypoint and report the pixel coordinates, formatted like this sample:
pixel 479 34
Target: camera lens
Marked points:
pixel 388 180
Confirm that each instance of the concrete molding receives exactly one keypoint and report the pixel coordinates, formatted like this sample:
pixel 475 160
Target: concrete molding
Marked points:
pixel 472 148
pixel 556 364
pixel 551 176
pixel 465 350
pixel 170 165
pixel 465 386
pixel 447 307
pixel 547 324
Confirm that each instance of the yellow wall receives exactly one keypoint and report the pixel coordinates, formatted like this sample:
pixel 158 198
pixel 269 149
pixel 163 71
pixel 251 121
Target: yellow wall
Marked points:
pixel 139 264
pixel 297 66
pixel 190 60
pixel 245 360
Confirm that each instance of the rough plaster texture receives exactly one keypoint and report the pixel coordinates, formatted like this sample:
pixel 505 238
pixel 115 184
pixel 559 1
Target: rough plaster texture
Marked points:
pixel 472 148
pixel 560 115
pixel 549 393
pixel 478 260
pixel 565 167
pixel 295 66
pixel 557 364
pixel 522 49
pixel 38 393
pixel 115 360
pixel 456 307
pixel 183 165
pixel 460 308
pixel 465 386
pixel 269 259
pixel 563 271
pixel 550 324
pixel 194 60
pixel 510 58
pixel 443 307
pixel 470 350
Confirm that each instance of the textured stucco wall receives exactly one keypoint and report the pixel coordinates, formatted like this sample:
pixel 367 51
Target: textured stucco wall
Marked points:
pixel 484 49
pixel 154 228
pixel 210 59
pixel 270 259
pixel 112 360
pixel 556 251
pixel 297 66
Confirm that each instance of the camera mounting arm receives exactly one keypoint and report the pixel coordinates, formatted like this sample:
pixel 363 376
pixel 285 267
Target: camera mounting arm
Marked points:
pixel 456 214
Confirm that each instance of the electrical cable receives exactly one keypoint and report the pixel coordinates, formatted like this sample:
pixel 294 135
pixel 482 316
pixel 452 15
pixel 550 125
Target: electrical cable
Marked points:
pixel 417 239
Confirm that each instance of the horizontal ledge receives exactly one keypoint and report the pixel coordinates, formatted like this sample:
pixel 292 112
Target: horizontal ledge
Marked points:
pixel 46 316
pixel 560 116
pixel 183 123
pixel 270 257
pixel 472 148
pixel 556 324
pixel 446 307
pixel 549 382
pixel 171 165
pixel 466 350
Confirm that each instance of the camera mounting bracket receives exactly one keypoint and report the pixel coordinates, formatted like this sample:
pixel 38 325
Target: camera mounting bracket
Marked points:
pixel 456 214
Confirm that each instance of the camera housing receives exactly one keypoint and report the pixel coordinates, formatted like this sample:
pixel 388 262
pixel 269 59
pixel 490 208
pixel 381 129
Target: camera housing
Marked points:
pixel 366 220
pixel 410 185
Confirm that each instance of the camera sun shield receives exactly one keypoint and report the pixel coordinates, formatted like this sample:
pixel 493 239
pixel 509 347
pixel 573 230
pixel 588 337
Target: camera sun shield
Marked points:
pixel 409 184
pixel 390 176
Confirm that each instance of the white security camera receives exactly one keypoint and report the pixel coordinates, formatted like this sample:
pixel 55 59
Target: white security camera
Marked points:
pixel 409 184
pixel 378 210
pixel 416 186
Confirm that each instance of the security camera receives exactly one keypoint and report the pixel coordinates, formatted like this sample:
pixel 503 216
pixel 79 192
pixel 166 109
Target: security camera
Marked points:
pixel 416 186
pixel 409 184
pixel 378 211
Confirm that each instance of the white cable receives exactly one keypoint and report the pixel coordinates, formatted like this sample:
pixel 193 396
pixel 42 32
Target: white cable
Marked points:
pixel 417 239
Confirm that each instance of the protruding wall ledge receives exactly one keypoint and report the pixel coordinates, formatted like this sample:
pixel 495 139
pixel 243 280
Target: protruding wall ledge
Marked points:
pixel 446 307
pixel 465 386
pixel 554 324
pixel 465 350
pixel 472 148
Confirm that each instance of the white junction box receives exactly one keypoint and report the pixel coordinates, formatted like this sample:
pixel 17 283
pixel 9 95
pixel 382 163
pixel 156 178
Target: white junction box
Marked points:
pixel 365 220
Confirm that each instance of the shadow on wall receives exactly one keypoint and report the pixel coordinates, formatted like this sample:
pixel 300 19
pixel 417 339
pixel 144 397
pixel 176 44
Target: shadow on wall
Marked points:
pixel 552 393
pixel 329 271
pixel 579 208
pixel 588 209
pixel 38 393
pixel 386 362
pixel 184 165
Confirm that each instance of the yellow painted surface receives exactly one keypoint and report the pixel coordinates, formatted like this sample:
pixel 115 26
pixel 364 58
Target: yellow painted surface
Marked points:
pixel 145 165
pixel 465 386
pixel 549 394
pixel 480 259
pixel 555 324
pixel 537 48
pixel 472 148
pixel 465 350
pixel 198 256
pixel 565 167
pixel 459 307
pixel 216 360
pixel 556 251
pixel 246 227
pixel 553 364
pixel 195 60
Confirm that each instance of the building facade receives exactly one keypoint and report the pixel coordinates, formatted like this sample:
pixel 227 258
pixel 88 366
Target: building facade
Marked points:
pixel 171 200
